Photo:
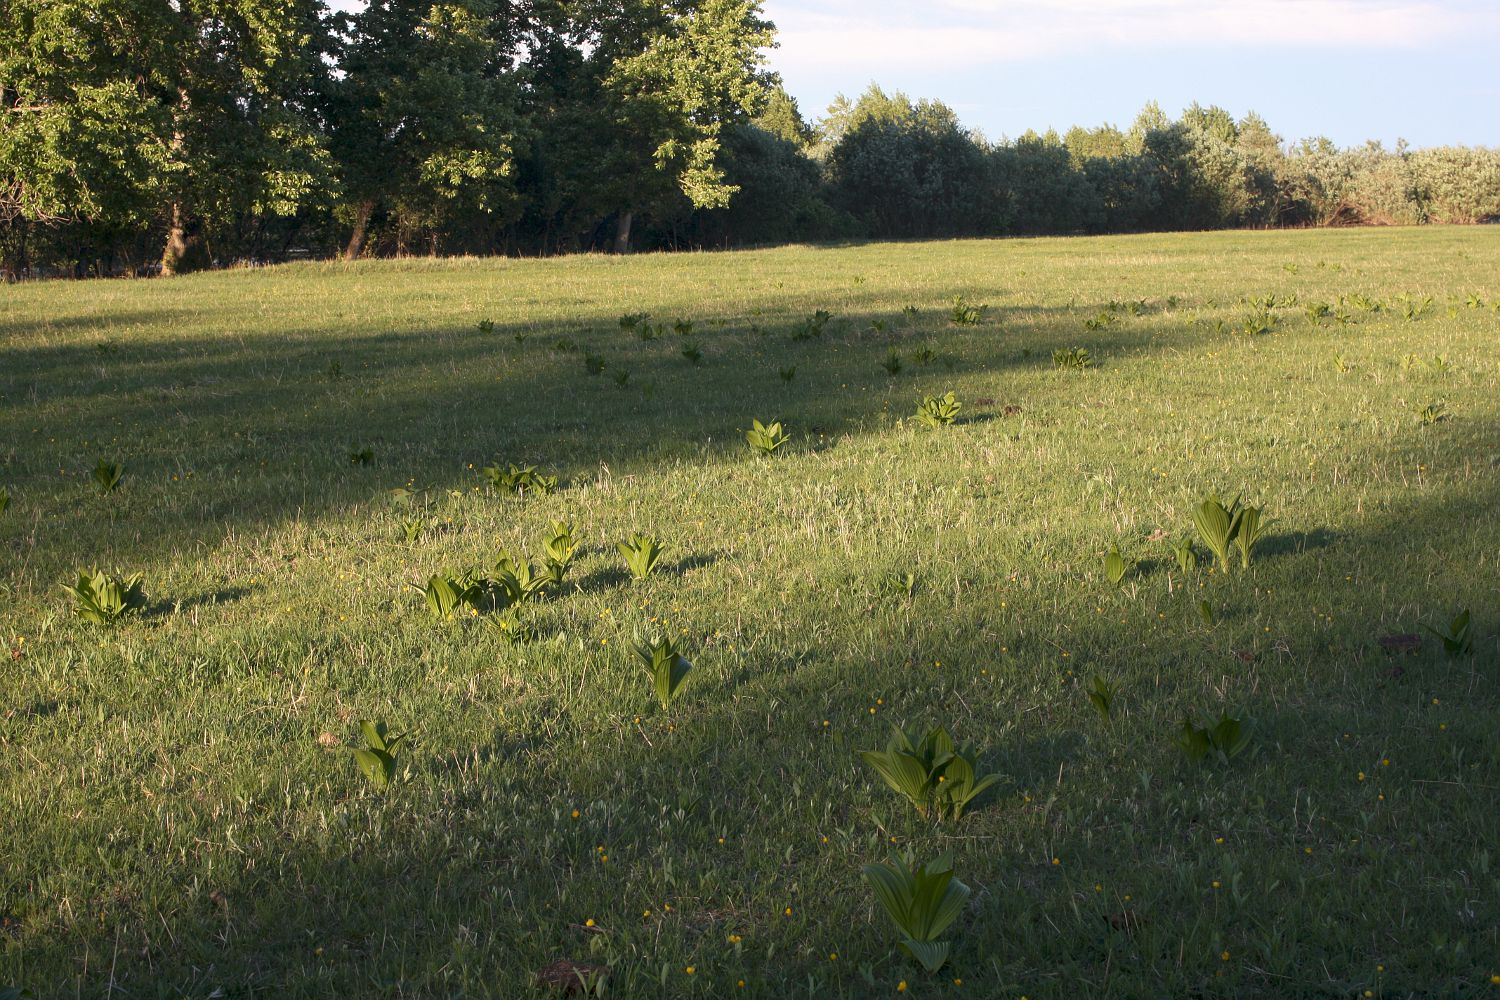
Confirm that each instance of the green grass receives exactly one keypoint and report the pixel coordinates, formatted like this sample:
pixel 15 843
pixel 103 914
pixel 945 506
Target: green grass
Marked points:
pixel 183 815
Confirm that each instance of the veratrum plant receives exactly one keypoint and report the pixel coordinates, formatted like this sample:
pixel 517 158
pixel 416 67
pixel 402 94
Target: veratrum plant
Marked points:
pixel 937 778
pixel 788 373
pixel 1456 641
pixel 964 314
pixel 411 530
pixel 103 599
pixel 1102 696
pixel 1115 566
pixel 1221 526
pixel 1225 739
pixel 107 474
pixel 509 626
pixel 938 411
pixel 559 546
pixel 1076 358
pixel 4 499
pixel 922 901
pixel 377 761
pixel 897 584
pixel 519 480
pixel 892 363
pixel 1249 531
pixel 812 326
pixel 516 581
pixel 668 668
pixel 641 553
pixel 1182 550
pixel 766 438
pixel 448 595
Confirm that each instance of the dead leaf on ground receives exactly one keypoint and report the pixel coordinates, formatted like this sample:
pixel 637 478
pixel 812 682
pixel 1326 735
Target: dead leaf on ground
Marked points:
pixel 1402 642
pixel 1126 920
pixel 569 977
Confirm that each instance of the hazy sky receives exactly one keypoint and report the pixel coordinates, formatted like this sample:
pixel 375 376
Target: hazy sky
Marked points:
pixel 1425 70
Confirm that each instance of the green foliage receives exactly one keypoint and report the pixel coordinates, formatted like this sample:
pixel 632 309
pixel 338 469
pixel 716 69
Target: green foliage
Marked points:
pixel 107 475
pixel 682 327
pixel 1099 321
pixel 515 581
pixel 692 353
pixel 518 480
pixel 812 326
pixel 509 626
pixel 1115 566
pixel 641 552
pixel 964 313
pixel 412 528
pixel 1225 739
pixel 486 326
pixel 1206 612
pixel 631 321
pixel 892 363
pixel 1182 551
pixel 666 665
pixel 558 547
pixel 1102 696
pixel 593 364
pixel 923 901
pixel 937 778
pixel 897 584
pixel 1075 358
pixel 1456 640
pixel 923 356
pixel 766 438
pixel 4 499
pixel 1431 413
pixel 378 758
pixel 938 411
pixel 788 373
pixel 361 456
pixel 448 595
pixel 1220 527
pixel 103 599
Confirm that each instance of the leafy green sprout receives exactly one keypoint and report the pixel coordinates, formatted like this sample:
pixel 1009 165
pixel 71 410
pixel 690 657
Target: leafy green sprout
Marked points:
pixel 641 552
pixel 378 758
pixel 1115 566
pixel 766 439
pixel 1224 740
pixel 939 779
pixel 1457 641
pixel 938 411
pixel 922 900
pixel 102 598
pixel 666 665
pixel 107 475
pixel 1101 695
pixel 1220 527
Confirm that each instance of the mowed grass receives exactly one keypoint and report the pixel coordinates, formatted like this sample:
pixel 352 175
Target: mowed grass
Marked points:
pixel 182 813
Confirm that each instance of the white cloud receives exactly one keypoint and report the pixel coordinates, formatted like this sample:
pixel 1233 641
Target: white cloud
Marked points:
pixel 871 36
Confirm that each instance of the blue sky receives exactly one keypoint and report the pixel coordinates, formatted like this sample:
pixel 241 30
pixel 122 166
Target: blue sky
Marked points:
pixel 1425 70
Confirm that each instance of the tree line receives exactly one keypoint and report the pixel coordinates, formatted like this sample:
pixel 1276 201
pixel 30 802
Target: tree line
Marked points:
pixel 138 135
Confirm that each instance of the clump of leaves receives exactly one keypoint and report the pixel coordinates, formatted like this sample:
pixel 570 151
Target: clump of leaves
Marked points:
pixel 1225 739
pixel 922 900
pixel 107 475
pixel 766 438
pixel 1206 612
pixel 1434 412
pixel 361 456
pixel 515 581
pixel 1182 550
pixel 509 626
pixel 630 321
pixel 1102 696
pixel 622 378
pixel 691 352
pixel 4 499
pixel 892 363
pixel 964 313
pixel 668 667
pixel 682 327
pixel 559 546
pixel 897 584
pixel 412 529
pixel 377 759
pixel 788 373
pixel 937 778
pixel 564 345
pixel 593 364
pixel 812 326
pixel 1075 358
pixel 938 411
pixel 1115 566
pixel 447 595
pixel 1259 324
pixel 103 599
pixel 1099 321
pixel 924 356
pixel 486 326
pixel 1219 527
pixel 1456 641
pixel 518 480
pixel 641 552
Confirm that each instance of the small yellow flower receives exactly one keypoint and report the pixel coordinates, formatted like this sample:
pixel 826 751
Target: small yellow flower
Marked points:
pixel 691 969
pixel 901 986
pixel 1057 861
pixel 1216 883
pixel 589 922
pixel 576 814
pixel 787 911
pixel 646 914
pixel 1224 956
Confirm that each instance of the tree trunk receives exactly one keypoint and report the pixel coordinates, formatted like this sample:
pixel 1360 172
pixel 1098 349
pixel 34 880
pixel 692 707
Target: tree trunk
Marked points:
pixel 184 251
pixel 622 232
pixel 362 213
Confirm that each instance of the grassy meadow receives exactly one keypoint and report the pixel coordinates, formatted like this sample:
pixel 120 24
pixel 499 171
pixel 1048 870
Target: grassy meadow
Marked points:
pixel 183 815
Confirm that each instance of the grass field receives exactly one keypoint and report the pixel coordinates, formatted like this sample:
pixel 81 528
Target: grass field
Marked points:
pixel 182 811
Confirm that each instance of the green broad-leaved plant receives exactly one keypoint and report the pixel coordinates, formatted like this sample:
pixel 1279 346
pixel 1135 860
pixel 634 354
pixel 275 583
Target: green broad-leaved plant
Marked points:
pixel 107 475
pixel 1456 641
pixel 1102 696
pixel 103 599
pixel 377 759
pixel 1248 531
pixel 448 595
pixel 558 547
pixel 1072 358
pixel 412 529
pixel 4 499
pixel 515 581
pixel 922 900
pixel 766 438
pixel 964 313
pixel 1224 740
pixel 510 626
pixel 892 363
pixel 666 665
pixel 518 480
pixel 1220 527
pixel 641 551
pixel 938 411
pixel 939 779
pixel 1115 566
pixel 1182 551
